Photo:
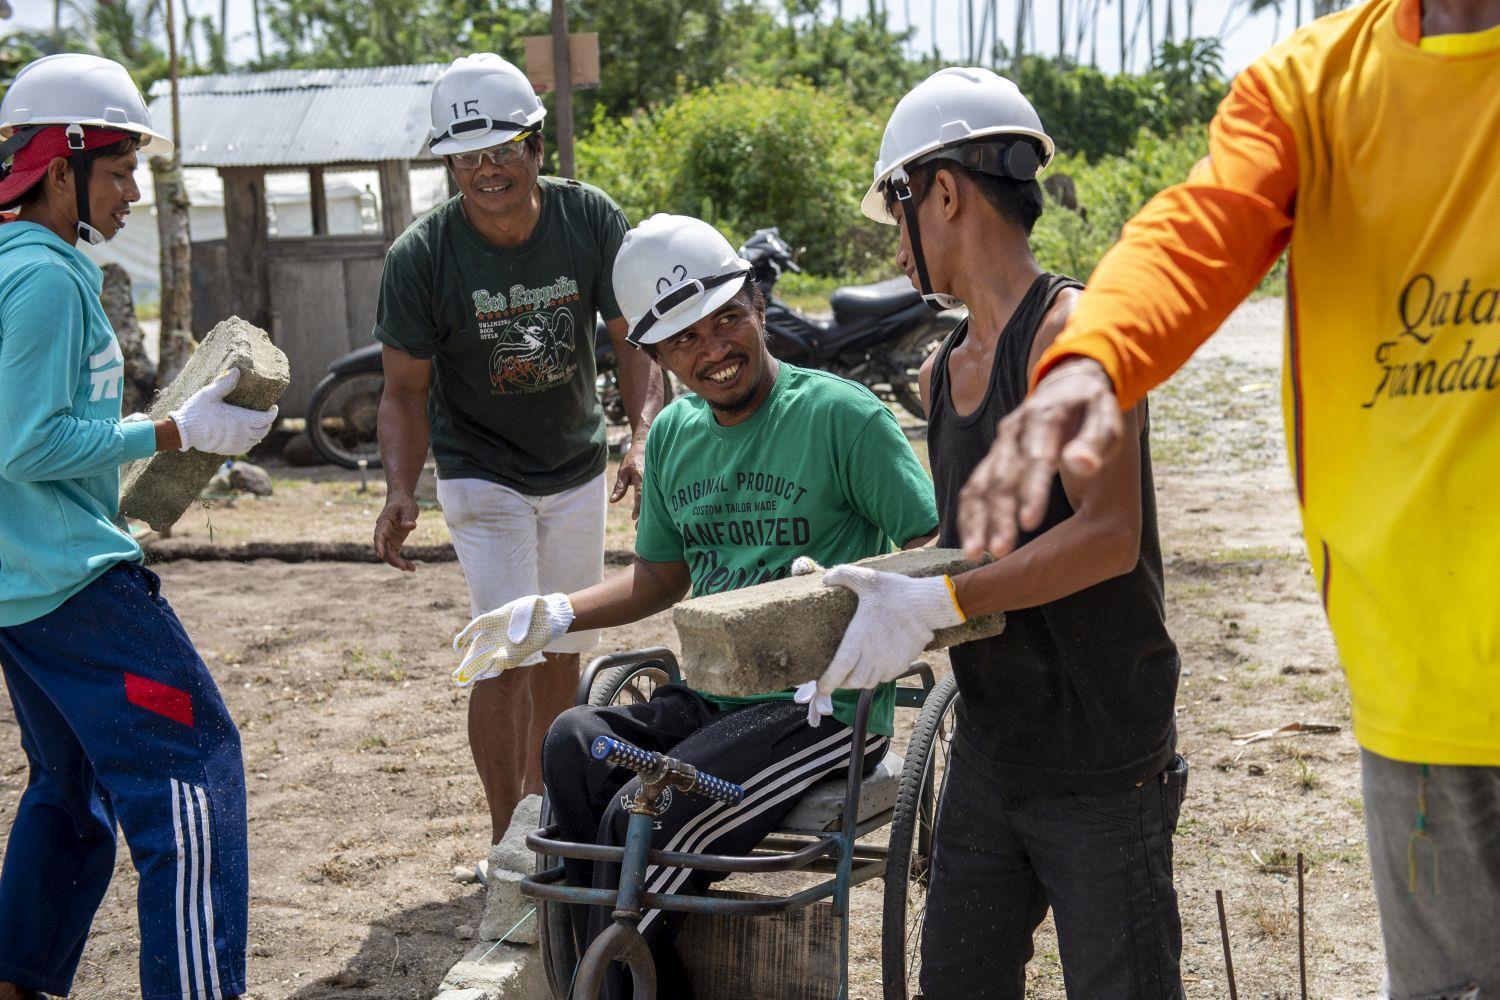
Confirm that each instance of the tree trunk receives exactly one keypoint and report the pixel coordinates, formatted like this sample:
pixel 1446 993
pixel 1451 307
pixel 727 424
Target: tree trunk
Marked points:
pixel 1123 67
pixel 1020 48
pixel 1150 33
pixel 1169 34
pixel 140 372
pixel 260 42
pixel 176 340
pixel 1062 32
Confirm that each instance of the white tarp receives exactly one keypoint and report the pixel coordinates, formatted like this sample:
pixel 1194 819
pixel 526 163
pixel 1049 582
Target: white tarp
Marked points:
pixel 353 207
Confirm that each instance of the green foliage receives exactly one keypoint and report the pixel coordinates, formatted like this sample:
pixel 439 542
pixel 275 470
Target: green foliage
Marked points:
pixel 1095 115
pixel 744 156
pixel 1109 192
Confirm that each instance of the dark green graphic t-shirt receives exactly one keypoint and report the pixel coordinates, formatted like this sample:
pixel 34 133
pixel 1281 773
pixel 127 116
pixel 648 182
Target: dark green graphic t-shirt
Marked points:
pixel 821 469
pixel 510 333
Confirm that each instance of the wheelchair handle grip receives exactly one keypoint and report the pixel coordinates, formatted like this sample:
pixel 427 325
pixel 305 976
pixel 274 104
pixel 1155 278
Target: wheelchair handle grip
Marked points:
pixel 723 791
pixel 618 752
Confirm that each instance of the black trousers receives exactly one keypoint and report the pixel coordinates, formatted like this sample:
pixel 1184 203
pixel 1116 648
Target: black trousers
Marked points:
pixel 768 748
pixel 1103 863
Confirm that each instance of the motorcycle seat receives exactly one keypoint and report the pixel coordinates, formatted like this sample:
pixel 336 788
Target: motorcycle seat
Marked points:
pixel 879 299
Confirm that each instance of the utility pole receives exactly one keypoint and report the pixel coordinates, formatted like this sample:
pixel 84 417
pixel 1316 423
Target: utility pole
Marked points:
pixel 562 73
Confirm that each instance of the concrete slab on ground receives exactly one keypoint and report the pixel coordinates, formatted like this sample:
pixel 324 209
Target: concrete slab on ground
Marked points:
pixel 498 972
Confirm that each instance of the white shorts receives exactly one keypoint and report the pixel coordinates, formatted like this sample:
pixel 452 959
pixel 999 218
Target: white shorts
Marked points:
pixel 511 545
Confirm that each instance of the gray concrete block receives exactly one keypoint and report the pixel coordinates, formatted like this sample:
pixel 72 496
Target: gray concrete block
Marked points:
pixel 511 853
pixel 508 915
pixel 498 972
pixel 473 994
pixel 780 634
pixel 160 489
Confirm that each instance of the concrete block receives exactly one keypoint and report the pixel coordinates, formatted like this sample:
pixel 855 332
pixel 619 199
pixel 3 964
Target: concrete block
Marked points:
pixel 780 634
pixel 159 489
pixel 498 972
pixel 475 994
pixel 507 913
pixel 512 854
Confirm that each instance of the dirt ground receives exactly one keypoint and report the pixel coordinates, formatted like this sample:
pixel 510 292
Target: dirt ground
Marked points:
pixel 363 798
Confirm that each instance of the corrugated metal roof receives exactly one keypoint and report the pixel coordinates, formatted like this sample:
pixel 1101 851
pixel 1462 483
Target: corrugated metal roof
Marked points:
pixel 288 118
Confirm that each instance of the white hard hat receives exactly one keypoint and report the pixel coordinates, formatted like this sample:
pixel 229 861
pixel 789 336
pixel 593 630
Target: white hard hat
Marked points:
pixel 479 101
pixel 671 271
pixel 952 106
pixel 72 88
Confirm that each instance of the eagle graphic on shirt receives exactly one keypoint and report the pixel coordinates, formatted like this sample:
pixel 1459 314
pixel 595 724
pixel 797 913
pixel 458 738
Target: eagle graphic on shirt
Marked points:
pixel 535 351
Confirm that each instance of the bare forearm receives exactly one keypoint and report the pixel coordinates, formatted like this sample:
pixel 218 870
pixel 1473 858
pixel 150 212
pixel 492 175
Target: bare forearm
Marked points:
pixel 402 426
pixel 640 383
pixel 168 435
pixel 628 596
pixel 1075 555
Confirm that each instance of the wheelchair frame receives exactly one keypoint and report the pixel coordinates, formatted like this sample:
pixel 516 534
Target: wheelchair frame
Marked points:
pixel 836 852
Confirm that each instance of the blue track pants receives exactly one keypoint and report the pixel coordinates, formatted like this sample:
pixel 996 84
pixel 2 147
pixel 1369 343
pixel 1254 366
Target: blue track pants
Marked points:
pixel 121 723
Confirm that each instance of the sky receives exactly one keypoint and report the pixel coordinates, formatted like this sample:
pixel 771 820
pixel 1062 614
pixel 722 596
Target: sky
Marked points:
pixel 1247 37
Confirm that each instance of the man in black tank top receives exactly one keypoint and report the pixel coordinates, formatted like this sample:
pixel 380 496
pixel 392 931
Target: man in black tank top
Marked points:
pixel 1064 786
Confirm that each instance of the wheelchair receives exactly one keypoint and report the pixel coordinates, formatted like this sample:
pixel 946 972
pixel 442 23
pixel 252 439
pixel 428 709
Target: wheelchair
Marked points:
pixel 833 831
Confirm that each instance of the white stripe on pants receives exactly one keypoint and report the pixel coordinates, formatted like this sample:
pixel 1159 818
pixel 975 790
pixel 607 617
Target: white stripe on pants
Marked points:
pixel 195 937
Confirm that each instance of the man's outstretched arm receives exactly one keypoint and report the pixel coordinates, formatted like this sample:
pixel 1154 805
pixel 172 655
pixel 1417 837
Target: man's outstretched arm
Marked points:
pixel 1181 266
pixel 512 635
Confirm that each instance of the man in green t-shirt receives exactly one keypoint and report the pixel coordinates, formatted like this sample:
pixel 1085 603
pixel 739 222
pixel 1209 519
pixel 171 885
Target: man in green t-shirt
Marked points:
pixel 766 463
pixel 486 311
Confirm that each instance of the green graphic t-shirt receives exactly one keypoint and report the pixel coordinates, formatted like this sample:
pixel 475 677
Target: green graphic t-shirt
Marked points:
pixel 510 333
pixel 821 469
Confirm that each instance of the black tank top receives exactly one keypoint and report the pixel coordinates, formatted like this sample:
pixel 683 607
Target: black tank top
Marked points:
pixel 1076 695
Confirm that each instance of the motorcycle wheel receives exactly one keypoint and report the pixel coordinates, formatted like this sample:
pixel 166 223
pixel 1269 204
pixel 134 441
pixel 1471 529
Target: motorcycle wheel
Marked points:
pixel 909 395
pixel 341 419
pixel 608 386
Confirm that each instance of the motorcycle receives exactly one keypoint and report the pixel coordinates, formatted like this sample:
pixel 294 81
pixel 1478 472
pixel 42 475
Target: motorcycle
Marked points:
pixel 879 335
pixel 341 414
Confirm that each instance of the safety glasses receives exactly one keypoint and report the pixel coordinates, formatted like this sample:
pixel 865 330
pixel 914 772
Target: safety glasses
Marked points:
pixel 506 152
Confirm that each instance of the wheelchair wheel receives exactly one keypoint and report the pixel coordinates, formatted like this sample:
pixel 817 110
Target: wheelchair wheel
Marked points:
pixel 910 846
pixel 627 684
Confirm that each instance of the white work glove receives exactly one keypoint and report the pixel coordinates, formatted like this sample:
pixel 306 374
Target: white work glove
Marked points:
pixel 512 635
pixel 207 423
pixel 895 621
pixel 818 705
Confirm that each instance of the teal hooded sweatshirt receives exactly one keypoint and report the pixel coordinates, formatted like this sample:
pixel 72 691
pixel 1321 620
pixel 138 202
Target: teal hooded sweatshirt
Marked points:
pixel 61 439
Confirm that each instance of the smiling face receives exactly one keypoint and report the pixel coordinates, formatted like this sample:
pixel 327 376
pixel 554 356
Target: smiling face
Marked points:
pixel 502 189
pixel 724 359
pixel 112 190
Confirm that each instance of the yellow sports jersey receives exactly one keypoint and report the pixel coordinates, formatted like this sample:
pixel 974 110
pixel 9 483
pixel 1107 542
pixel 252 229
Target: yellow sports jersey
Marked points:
pixel 1377 162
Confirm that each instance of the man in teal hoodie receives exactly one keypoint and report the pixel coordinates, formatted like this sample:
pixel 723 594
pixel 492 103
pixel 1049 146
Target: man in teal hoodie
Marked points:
pixel 120 720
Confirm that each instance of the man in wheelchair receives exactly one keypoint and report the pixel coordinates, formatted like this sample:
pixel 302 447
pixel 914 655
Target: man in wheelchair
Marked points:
pixel 766 463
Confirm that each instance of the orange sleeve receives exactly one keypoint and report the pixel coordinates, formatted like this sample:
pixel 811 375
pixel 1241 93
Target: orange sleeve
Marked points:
pixel 1192 254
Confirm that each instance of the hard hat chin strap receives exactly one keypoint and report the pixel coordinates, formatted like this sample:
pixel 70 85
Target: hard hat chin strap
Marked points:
pixel 902 189
pixel 82 160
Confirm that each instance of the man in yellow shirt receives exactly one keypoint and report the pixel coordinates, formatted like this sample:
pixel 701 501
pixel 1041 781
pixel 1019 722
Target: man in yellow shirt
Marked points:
pixel 1365 145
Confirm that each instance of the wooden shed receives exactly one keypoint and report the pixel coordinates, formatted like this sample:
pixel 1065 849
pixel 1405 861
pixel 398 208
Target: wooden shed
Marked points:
pixel 314 294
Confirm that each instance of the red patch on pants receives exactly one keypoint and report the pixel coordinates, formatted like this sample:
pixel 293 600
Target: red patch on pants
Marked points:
pixel 159 698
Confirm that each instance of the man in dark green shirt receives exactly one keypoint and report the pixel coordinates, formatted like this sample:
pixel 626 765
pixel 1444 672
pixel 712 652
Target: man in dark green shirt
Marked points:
pixel 486 311
pixel 768 462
